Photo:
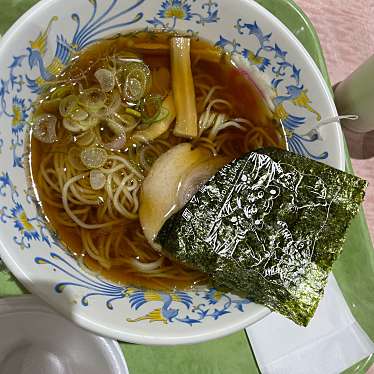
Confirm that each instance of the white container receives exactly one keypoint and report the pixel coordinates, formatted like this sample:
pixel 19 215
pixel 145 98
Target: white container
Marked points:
pixel 355 95
pixel 36 340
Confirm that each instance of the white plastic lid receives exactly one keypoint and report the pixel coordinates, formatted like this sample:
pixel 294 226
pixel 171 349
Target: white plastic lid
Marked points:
pixel 36 340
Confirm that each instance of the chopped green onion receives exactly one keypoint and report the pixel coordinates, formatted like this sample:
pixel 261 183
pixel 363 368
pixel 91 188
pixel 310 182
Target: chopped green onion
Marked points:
pixel 85 139
pixel 79 114
pixel 106 79
pixel 128 120
pixel 120 135
pixel 117 143
pixel 70 125
pixel 44 128
pixel 94 157
pixel 97 179
pixel 151 108
pixel 50 106
pixel 92 99
pixel 61 92
pixel 134 87
pixel 133 112
pixel 115 126
pixel 135 80
pixel 164 113
pixel 67 105
pixel 79 126
pixel 115 102
pixel 89 123
pixel 161 116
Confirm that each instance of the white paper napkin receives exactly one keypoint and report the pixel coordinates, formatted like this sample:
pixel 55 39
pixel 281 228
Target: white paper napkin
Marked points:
pixel 331 343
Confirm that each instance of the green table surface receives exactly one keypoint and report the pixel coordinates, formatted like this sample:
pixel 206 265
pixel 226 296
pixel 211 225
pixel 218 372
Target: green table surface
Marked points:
pixel 232 354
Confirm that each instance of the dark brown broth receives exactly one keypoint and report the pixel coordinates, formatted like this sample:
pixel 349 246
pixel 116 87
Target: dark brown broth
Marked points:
pixel 222 73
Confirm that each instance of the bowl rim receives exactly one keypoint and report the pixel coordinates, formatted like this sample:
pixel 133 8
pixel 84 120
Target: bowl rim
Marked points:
pixel 190 337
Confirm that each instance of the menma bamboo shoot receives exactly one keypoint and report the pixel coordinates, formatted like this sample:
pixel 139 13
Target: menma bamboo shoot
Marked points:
pixel 183 88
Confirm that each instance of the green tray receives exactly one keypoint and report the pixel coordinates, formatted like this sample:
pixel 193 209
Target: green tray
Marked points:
pixel 232 354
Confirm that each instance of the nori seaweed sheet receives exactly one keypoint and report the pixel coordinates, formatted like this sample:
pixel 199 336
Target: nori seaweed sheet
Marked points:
pixel 268 226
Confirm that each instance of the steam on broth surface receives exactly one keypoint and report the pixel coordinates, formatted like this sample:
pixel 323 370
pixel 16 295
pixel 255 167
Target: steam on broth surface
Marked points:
pixel 100 126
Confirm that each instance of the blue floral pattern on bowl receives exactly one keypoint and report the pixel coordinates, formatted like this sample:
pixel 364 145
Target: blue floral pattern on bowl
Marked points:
pixel 171 10
pixel 169 309
pixel 174 10
pixel 42 59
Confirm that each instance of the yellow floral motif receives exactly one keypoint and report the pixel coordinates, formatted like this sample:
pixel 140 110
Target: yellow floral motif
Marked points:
pixel 37 52
pixel 154 316
pixel 56 66
pixel 17 115
pixel 256 60
pixel 218 295
pixel 40 43
pixel 40 81
pixel 302 100
pixel 25 222
pixel 152 296
pixel 166 313
pixel 280 112
pixel 176 12
pixel 288 133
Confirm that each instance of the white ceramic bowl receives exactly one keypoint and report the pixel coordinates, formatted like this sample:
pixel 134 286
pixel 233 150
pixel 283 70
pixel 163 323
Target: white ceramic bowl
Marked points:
pixel 31 348
pixel 44 39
